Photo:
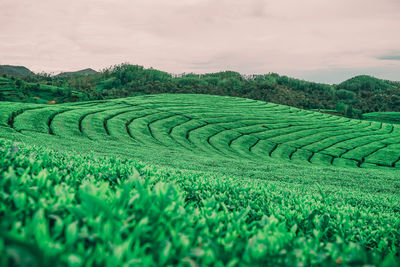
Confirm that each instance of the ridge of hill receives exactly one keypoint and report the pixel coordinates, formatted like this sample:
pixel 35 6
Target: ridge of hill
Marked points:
pixel 17 71
pixel 84 72
pixel 366 83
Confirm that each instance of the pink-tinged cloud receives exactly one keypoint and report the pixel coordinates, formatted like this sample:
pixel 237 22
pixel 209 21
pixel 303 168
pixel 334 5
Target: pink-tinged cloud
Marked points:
pixel 308 39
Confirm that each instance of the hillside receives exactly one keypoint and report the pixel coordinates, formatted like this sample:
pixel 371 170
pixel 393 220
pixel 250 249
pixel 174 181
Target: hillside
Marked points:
pixel 352 98
pixel 171 179
pixel 83 72
pixel 223 129
pixel 370 94
pixel 17 71
pixel 12 89
pixel 388 117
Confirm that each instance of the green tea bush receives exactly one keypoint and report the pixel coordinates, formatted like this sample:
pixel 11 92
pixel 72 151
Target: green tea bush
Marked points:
pixel 65 209
pixel 172 180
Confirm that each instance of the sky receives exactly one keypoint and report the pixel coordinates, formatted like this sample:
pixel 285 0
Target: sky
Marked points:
pixel 319 40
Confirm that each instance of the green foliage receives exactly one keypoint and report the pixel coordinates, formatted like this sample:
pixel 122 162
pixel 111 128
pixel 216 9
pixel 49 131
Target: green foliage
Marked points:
pixel 372 94
pixel 388 117
pixel 348 110
pixel 35 92
pixel 195 180
pixel 345 94
pixel 60 208
pixel 231 127
pixel 361 94
pixel 366 83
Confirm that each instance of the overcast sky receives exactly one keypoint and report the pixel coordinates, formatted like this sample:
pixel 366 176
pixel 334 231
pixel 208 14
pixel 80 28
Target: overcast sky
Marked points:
pixel 319 40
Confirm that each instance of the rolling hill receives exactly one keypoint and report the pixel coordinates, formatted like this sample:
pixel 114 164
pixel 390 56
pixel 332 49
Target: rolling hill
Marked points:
pixel 351 98
pixel 177 121
pixel 174 179
pixel 18 71
pixel 83 72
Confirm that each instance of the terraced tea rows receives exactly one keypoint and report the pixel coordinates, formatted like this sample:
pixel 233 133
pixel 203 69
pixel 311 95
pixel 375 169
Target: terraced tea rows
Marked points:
pixel 388 117
pixel 195 180
pixel 226 127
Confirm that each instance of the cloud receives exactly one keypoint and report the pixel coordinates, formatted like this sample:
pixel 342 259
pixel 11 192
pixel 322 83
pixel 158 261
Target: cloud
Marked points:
pixel 254 36
pixel 390 56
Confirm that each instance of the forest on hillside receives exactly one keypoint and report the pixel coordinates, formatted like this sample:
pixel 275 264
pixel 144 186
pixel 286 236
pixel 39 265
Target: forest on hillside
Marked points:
pixel 352 98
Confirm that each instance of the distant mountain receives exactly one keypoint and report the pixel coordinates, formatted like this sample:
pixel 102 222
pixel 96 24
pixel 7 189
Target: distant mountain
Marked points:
pixel 83 72
pixel 18 71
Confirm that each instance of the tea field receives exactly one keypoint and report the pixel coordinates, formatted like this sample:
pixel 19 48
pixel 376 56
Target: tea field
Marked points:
pixel 389 117
pixel 196 180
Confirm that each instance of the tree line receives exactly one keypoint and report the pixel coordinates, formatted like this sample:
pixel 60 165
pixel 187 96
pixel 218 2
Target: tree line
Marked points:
pixel 351 98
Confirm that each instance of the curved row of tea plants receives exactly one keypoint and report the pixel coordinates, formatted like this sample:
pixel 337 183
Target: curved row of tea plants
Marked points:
pixel 388 117
pixel 195 180
pixel 212 125
pixel 67 209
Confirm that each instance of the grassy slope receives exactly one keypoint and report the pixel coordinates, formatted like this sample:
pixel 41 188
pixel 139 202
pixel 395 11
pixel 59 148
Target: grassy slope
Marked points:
pixel 388 117
pixel 253 210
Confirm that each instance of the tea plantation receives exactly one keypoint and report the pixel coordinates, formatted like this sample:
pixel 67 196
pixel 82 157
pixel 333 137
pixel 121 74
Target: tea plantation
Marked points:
pixel 390 117
pixel 196 180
